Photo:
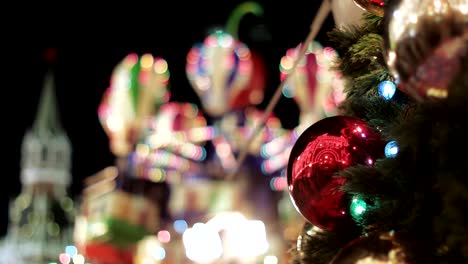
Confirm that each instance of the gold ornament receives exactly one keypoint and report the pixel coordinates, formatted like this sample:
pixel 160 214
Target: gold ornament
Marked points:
pixel 303 242
pixel 375 7
pixel 373 249
pixel 426 36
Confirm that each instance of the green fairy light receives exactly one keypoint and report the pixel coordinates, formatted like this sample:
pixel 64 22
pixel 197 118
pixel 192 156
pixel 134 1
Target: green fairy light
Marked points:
pixel 358 207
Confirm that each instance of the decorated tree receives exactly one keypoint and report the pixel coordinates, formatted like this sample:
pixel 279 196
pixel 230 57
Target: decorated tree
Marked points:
pixel 384 181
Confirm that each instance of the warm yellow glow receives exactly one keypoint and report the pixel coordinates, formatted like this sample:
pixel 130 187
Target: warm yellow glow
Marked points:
pixel 98 229
pixel 202 243
pixel 115 123
pixel 286 63
pixel 146 61
pixel 437 92
pixel 142 150
pixel 160 66
pixel 464 8
pixel 78 259
pixel 270 260
pixel 391 57
pixel 156 175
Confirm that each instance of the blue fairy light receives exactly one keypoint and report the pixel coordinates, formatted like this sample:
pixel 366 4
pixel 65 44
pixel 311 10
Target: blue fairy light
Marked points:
pixel 180 226
pixel 71 250
pixel 391 149
pixel 387 89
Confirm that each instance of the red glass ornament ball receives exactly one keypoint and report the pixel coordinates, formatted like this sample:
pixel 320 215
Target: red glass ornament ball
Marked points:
pixel 325 148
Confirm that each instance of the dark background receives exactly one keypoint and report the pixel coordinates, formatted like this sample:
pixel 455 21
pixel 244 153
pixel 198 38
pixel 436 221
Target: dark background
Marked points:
pixel 91 40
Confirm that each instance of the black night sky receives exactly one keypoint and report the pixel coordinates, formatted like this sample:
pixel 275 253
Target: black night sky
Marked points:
pixel 90 42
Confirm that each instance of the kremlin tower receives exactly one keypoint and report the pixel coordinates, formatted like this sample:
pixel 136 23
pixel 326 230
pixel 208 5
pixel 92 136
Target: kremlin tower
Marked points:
pixel 42 216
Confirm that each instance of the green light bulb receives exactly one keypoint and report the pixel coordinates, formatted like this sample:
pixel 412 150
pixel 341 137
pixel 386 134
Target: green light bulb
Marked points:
pixel 358 207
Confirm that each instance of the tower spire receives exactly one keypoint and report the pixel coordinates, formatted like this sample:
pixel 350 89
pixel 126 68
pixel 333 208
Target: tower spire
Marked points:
pixel 47 121
pixel 46 154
